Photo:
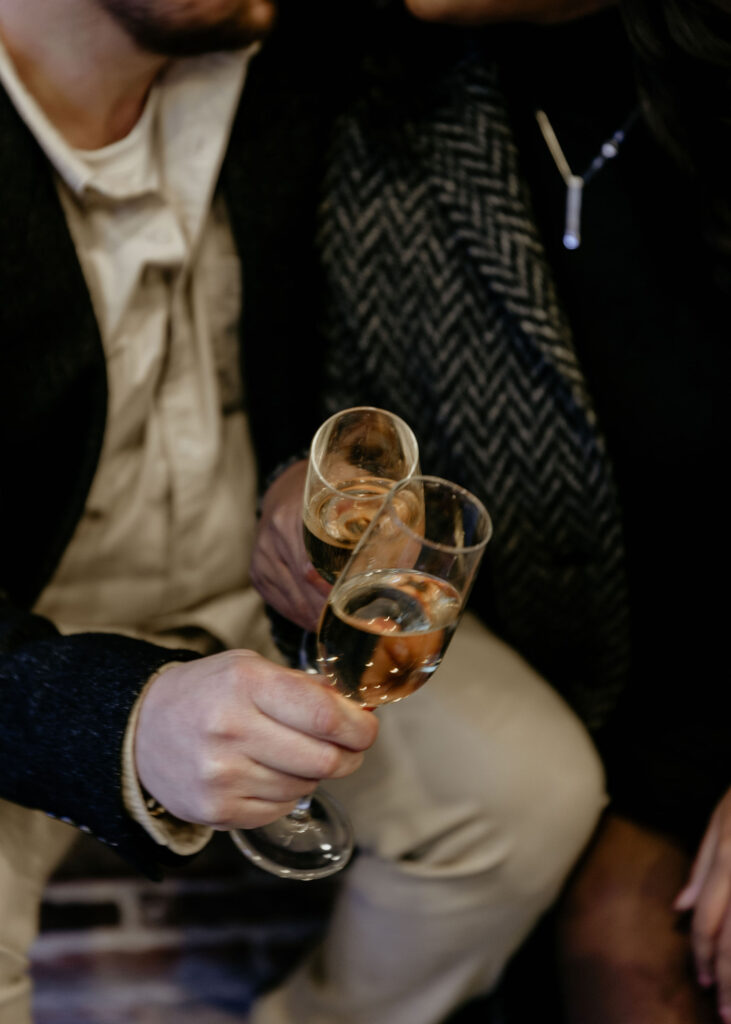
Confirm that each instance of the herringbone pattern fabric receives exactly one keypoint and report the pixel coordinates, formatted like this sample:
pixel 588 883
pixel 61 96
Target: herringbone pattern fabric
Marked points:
pixel 440 305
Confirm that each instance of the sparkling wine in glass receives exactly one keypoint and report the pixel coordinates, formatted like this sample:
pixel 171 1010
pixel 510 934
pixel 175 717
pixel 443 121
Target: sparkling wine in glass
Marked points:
pixel 395 607
pixel 356 457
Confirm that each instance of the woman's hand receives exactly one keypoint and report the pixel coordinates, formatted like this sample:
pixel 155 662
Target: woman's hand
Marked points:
pixel 280 568
pixel 708 896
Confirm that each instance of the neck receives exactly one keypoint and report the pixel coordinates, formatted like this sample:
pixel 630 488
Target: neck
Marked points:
pixel 82 68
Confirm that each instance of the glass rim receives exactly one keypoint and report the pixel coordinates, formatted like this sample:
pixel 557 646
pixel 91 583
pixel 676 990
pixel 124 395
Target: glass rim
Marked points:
pixel 455 488
pixel 315 461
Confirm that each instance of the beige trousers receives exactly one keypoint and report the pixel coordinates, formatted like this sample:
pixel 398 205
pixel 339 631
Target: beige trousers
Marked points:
pixel 470 809
pixel 31 845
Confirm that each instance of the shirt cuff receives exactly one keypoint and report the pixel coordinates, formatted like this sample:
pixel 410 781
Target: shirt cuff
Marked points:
pixel 182 837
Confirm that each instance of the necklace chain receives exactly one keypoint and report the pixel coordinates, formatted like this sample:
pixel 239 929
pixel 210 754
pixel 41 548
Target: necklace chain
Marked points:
pixel 575 182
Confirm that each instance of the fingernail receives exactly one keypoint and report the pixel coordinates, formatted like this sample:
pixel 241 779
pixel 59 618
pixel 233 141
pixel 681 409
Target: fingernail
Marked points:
pixel 725 1013
pixel 704 979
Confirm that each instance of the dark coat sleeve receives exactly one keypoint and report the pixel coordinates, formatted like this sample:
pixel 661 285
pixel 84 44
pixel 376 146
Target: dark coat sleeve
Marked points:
pixel 65 705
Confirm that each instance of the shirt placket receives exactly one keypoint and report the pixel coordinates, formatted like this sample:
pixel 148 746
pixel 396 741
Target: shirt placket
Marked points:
pixel 189 428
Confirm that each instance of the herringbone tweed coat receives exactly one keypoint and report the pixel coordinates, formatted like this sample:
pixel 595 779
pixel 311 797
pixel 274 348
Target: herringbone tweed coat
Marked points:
pixel 439 303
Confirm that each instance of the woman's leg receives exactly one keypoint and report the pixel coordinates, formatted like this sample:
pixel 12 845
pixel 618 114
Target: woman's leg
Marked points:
pixel 624 955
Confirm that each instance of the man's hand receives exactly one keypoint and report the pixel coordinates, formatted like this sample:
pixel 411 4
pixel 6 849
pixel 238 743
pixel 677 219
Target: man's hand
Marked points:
pixel 708 895
pixel 233 741
pixel 280 568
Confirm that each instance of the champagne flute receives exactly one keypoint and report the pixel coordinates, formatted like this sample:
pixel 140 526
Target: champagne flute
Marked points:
pixel 355 457
pixel 395 607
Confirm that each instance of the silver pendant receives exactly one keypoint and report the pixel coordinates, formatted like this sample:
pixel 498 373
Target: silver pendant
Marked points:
pixel 572 223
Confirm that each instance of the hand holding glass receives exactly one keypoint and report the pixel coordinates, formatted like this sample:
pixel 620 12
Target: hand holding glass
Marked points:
pixel 355 457
pixel 384 631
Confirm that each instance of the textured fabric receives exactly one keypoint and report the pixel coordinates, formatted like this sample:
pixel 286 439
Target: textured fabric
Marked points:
pixel 439 304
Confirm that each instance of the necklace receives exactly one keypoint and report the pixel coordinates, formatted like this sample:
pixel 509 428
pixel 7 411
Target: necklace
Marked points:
pixel 575 182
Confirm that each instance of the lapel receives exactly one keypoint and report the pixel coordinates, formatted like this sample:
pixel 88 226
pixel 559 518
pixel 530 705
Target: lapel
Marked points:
pixel 486 205
pixel 558 553
pixel 46 313
pixel 52 376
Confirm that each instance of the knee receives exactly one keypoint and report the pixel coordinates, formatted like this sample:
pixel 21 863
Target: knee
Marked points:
pixel 621 899
pixel 557 807
pixel 619 946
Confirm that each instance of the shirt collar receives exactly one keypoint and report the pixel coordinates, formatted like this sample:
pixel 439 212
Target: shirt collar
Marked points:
pixel 128 168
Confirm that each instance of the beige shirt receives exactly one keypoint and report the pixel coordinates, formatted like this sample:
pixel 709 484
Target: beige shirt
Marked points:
pixel 165 540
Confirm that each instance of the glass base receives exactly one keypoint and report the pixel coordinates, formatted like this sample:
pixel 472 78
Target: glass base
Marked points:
pixel 311 842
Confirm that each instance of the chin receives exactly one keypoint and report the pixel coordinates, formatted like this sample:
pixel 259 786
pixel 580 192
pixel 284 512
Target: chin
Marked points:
pixel 200 26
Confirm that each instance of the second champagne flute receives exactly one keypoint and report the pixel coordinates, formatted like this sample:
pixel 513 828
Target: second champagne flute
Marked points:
pixel 356 456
